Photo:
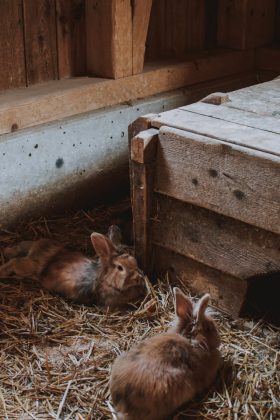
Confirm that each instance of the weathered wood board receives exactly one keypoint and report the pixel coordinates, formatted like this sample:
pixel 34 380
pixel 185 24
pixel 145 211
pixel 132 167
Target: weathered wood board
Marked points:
pixel 109 38
pixel 143 152
pixel 226 291
pixel 214 203
pixel 235 181
pixel 216 241
pixel 221 130
pixel 237 116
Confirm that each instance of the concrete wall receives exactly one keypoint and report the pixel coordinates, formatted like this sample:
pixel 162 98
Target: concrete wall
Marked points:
pixel 72 162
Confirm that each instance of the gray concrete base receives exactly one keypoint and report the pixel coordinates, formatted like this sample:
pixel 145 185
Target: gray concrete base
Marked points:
pixel 81 160
pixel 70 162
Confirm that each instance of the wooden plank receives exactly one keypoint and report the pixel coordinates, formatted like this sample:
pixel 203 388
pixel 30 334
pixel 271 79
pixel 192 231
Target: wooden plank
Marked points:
pixel 231 180
pixel 43 103
pixel 109 38
pixel 211 23
pixel 227 292
pixel 268 92
pixel 155 43
pixel 256 106
pixel 143 153
pixel 12 65
pixel 214 240
pixel 40 40
pixel 226 131
pixel 141 17
pixel 236 116
pixel 268 58
pixel 184 28
pixel 71 38
pixel 245 24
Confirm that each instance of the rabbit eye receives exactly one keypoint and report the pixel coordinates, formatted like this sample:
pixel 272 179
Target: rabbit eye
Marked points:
pixel 120 267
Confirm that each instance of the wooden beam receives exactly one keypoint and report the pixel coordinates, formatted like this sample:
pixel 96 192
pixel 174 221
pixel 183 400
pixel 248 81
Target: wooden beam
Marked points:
pixel 141 17
pixel 59 99
pixel 109 38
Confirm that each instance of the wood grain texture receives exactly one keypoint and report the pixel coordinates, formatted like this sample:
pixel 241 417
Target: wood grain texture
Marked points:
pixel 109 38
pixel 245 24
pixel 71 38
pixel 176 27
pixel 228 179
pixel 244 118
pixel 143 146
pixel 40 40
pixel 214 240
pixel 229 132
pixel 142 177
pixel 227 292
pixel 12 65
pixel 50 101
pixel 140 24
pixel 141 124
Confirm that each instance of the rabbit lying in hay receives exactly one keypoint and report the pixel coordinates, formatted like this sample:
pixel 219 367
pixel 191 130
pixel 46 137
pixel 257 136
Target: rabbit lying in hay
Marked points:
pixel 161 373
pixel 110 279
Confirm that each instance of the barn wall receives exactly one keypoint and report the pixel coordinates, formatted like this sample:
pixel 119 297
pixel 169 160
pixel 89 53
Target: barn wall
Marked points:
pixel 72 162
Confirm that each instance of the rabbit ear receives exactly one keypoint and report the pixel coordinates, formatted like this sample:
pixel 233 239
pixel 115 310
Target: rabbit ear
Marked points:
pixel 183 305
pixel 115 235
pixel 103 246
pixel 201 305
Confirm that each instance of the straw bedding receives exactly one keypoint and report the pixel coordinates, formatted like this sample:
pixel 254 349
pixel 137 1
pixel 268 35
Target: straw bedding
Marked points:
pixel 56 356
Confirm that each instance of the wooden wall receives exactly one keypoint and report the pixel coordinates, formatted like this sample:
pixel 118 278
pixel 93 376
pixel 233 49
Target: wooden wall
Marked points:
pixel 179 26
pixel 44 40
pixel 41 40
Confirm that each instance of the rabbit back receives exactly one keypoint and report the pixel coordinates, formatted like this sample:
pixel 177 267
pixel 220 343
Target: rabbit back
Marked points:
pixel 159 375
pixel 72 275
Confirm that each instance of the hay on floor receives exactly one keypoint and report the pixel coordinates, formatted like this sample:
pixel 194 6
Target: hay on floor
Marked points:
pixel 56 356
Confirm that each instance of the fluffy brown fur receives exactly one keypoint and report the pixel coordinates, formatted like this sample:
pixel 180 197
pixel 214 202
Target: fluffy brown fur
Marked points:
pixel 161 373
pixel 111 279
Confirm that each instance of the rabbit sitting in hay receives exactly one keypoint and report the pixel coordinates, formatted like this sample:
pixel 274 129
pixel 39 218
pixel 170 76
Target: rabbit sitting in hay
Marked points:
pixel 161 373
pixel 110 279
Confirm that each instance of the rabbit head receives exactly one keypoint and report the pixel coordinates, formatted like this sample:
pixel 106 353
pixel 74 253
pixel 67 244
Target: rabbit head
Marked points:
pixel 120 279
pixel 193 320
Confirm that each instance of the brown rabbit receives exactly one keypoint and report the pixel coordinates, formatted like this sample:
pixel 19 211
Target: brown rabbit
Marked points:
pixel 161 373
pixel 111 279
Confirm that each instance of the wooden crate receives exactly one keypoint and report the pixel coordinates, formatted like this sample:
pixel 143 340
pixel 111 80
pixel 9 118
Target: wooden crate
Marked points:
pixel 205 192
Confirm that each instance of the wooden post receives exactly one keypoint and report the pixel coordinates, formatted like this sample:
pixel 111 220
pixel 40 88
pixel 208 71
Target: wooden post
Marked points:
pixel 109 38
pixel 141 17
pixel 142 155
